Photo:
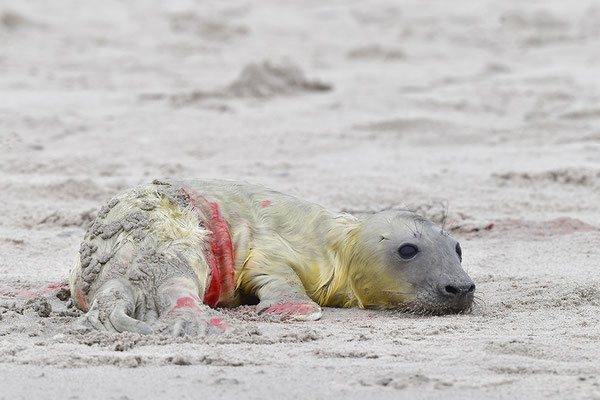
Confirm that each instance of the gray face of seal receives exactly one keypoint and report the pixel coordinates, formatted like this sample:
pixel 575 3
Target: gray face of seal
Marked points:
pixel 412 264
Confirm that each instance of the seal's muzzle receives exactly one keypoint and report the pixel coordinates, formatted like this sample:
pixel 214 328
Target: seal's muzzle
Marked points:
pixel 458 295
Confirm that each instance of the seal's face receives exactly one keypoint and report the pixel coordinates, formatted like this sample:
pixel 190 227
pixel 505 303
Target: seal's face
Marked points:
pixel 407 262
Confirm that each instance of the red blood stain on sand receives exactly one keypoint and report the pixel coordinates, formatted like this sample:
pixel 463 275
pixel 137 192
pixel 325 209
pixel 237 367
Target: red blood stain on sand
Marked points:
pixel 53 288
pixel 553 227
pixel 265 203
pixel 290 308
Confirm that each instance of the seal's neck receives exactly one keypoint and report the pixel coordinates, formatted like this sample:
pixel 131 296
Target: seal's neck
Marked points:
pixel 334 288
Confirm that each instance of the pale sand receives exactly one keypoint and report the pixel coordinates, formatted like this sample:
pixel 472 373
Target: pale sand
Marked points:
pixel 490 108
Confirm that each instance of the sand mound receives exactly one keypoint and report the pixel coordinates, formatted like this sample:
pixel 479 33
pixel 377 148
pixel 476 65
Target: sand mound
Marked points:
pixel 264 80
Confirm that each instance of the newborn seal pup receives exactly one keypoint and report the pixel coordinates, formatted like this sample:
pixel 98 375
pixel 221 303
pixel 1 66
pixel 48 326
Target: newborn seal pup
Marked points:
pixel 159 257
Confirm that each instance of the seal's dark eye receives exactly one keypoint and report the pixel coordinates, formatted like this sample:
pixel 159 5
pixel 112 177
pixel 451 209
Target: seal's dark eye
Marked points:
pixel 459 251
pixel 408 251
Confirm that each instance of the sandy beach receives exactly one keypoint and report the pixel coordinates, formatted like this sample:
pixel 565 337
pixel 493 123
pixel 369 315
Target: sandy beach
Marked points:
pixel 483 116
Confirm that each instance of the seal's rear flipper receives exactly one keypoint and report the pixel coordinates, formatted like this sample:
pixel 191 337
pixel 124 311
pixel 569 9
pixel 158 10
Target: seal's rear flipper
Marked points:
pixel 112 310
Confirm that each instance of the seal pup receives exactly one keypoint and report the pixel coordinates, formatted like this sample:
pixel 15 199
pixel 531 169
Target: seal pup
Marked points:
pixel 159 257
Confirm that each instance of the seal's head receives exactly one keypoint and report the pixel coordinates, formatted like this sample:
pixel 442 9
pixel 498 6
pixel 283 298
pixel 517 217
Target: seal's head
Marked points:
pixel 404 261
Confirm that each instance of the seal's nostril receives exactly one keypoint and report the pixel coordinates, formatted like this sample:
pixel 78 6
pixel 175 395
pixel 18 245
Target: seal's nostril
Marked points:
pixel 451 289
pixel 471 289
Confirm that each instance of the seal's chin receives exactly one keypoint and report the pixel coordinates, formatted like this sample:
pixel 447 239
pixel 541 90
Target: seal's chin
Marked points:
pixel 418 308
pixel 431 305
pixel 424 302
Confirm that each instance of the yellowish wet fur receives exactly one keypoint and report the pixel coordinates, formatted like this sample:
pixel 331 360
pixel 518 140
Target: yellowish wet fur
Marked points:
pixel 284 244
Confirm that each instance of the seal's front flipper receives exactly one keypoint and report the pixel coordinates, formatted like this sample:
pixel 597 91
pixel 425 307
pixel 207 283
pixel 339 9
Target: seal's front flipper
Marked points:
pixel 298 310
pixel 283 295
pixel 112 310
